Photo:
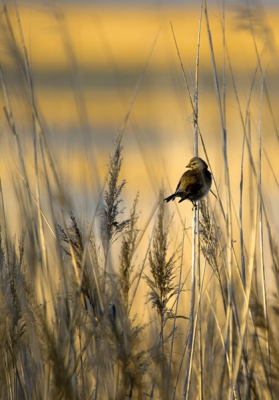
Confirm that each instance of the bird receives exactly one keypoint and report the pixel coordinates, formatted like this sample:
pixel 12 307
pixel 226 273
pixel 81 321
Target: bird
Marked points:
pixel 194 184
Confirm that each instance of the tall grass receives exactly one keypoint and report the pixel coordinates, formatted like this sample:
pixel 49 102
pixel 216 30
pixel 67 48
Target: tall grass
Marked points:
pixel 71 292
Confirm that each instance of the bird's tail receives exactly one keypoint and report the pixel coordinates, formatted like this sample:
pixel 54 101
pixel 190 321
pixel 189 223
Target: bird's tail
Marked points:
pixel 171 197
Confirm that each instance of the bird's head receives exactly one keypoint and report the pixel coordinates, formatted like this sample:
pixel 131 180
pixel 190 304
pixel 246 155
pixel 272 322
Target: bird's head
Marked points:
pixel 197 163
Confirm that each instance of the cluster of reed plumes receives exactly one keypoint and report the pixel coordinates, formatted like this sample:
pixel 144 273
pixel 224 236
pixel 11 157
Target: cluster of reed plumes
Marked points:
pixel 80 338
pixel 72 293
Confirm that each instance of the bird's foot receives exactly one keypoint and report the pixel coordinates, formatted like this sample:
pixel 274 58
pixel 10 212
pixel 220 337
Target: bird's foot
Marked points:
pixel 194 206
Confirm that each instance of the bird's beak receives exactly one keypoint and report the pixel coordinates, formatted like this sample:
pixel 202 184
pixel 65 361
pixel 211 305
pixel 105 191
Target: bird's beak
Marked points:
pixel 188 166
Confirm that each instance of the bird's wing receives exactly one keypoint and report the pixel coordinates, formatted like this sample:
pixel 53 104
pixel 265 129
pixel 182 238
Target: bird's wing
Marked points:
pixel 190 182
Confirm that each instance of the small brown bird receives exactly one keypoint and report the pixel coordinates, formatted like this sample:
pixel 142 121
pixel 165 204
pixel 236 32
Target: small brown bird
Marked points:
pixel 194 184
